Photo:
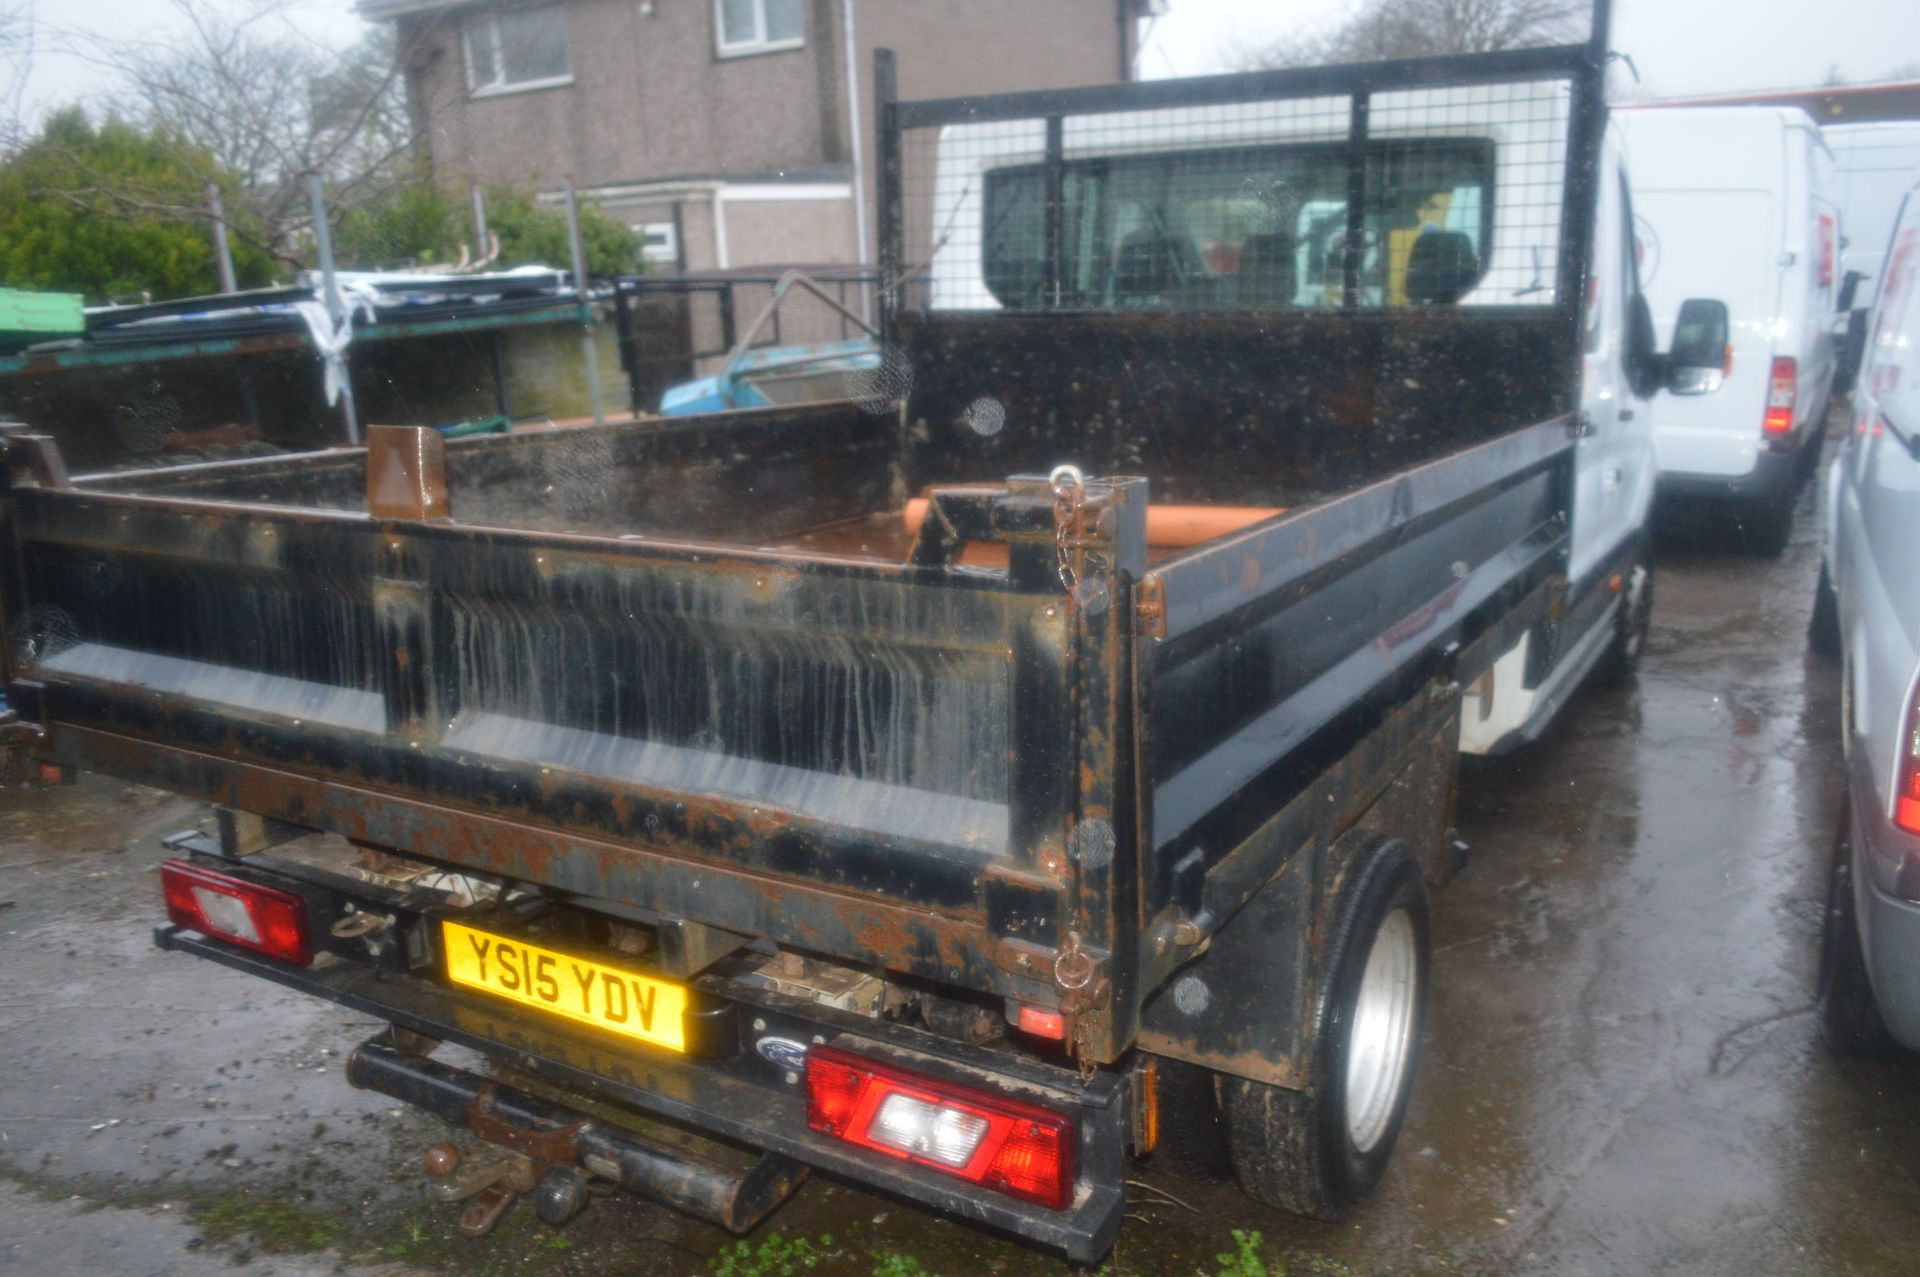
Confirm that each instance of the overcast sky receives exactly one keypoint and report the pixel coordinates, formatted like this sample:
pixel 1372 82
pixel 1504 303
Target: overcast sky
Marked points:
pixel 1680 46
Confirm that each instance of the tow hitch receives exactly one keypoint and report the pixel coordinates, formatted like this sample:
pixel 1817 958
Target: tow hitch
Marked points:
pixel 538 1147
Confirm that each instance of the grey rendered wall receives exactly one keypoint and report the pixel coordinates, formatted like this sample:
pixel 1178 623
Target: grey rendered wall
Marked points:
pixel 789 232
pixel 650 98
pixel 950 48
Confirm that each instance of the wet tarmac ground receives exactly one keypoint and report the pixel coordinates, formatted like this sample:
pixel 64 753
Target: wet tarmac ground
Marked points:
pixel 1622 1072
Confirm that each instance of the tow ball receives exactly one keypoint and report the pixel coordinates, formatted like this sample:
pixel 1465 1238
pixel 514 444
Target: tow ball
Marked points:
pixel 490 1179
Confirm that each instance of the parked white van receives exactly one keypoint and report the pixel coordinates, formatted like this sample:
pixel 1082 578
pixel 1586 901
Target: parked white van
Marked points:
pixel 1873 166
pixel 1735 203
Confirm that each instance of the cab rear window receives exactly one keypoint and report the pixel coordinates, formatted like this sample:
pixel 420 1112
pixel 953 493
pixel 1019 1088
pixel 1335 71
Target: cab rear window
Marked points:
pixel 1242 228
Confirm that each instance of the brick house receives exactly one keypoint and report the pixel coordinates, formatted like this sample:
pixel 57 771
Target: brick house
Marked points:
pixel 734 133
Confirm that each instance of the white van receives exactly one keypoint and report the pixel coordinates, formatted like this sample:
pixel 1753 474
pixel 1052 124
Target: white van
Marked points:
pixel 1477 185
pixel 1736 203
pixel 1873 166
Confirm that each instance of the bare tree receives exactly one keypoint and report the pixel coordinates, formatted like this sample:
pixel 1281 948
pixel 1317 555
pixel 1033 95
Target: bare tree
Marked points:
pixel 269 106
pixel 1380 29
pixel 17 39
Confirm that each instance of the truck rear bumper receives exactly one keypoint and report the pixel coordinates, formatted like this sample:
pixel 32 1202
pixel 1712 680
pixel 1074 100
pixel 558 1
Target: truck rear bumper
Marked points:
pixel 738 1100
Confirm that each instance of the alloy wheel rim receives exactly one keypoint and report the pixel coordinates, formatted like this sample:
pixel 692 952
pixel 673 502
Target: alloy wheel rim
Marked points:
pixel 1380 1040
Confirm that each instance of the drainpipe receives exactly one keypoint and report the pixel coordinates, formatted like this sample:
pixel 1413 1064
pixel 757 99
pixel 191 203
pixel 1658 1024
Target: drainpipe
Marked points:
pixel 854 135
pixel 480 253
pixel 721 259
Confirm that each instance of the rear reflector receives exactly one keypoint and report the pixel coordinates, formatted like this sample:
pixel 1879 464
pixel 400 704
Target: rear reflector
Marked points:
pixel 1782 385
pixel 264 919
pixel 1147 1088
pixel 1003 1144
pixel 1042 1023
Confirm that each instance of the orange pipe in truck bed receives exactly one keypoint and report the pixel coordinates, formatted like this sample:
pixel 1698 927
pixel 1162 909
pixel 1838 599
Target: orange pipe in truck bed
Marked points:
pixel 1169 527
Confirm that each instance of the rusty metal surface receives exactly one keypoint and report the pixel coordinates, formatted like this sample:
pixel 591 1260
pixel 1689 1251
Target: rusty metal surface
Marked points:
pixel 406 473
pixel 717 1099
pixel 915 764
pixel 902 936
pixel 549 1135
pixel 1252 992
pixel 38 454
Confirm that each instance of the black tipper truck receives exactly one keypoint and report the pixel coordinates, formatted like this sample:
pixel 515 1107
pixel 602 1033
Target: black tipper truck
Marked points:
pixel 963 856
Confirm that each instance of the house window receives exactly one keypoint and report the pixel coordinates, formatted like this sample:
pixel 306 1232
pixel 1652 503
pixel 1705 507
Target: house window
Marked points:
pixel 517 49
pixel 756 26
pixel 660 242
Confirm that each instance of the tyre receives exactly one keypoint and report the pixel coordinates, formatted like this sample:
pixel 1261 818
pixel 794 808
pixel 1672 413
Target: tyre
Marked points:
pixel 1631 625
pixel 1823 629
pixel 1768 526
pixel 1319 1151
pixel 1849 1020
pixel 1807 460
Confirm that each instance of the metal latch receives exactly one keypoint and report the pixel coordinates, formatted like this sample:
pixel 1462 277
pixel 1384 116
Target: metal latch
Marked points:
pixel 1083 533
pixel 1150 601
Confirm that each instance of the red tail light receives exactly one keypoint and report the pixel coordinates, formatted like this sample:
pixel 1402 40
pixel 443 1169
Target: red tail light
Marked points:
pixel 1906 795
pixel 1042 1023
pixel 1782 387
pixel 1006 1145
pixel 264 919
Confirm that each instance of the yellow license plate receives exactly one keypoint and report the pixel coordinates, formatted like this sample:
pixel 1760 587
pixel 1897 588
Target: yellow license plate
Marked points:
pixel 580 989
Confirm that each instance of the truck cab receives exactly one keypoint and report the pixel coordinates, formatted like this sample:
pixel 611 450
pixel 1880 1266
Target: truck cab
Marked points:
pixel 1610 568
pixel 1218 209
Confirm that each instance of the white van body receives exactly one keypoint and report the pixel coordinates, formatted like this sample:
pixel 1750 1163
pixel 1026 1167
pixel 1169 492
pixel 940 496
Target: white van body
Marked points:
pixel 1873 166
pixel 1735 203
pixel 1516 239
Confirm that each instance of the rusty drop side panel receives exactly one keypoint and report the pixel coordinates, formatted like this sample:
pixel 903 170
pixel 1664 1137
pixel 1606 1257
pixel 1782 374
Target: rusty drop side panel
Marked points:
pixel 972 776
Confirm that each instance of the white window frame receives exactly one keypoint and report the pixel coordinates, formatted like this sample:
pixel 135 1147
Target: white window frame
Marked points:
pixel 667 252
pixel 488 21
pixel 759 43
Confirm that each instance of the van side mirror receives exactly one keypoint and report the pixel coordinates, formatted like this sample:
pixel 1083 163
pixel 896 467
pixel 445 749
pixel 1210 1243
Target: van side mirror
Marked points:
pixel 1701 356
pixel 1849 287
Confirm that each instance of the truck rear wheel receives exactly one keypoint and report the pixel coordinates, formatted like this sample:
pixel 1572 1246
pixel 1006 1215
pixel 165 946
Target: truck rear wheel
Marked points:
pixel 1320 1150
pixel 1768 525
